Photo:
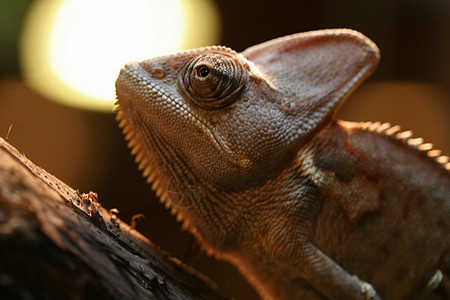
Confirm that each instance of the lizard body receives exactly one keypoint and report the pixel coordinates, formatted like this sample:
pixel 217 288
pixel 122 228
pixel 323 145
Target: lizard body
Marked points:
pixel 243 148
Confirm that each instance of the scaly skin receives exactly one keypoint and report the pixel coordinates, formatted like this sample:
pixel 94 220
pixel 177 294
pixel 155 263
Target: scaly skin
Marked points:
pixel 243 148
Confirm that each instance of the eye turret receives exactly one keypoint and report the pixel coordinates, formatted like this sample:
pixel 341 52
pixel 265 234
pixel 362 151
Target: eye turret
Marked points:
pixel 212 80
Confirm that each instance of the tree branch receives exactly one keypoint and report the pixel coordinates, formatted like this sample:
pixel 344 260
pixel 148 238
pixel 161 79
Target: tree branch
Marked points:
pixel 56 243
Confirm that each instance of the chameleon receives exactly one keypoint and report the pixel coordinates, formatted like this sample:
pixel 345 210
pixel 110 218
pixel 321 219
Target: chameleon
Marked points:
pixel 244 150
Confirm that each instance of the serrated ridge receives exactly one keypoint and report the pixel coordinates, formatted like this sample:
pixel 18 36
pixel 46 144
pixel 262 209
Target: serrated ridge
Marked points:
pixel 145 167
pixel 406 138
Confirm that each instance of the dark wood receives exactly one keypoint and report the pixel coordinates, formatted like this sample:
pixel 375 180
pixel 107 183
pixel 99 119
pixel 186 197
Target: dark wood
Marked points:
pixel 56 243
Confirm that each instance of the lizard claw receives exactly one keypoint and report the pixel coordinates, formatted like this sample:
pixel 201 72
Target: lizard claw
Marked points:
pixel 367 289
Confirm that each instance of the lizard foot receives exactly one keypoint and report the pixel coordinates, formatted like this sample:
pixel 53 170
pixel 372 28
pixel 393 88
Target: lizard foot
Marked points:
pixel 435 281
pixel 367 289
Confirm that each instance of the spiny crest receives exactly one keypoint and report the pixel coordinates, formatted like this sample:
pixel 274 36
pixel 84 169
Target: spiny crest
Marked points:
pixel 222 48
pixel 144 166
pixel 405 137
pixel 195 51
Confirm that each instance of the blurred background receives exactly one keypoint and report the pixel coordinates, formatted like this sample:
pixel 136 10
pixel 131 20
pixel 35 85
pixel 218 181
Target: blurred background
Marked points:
pixel 59 60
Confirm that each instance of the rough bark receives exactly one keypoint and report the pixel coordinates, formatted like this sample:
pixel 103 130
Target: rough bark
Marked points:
pixel 56 243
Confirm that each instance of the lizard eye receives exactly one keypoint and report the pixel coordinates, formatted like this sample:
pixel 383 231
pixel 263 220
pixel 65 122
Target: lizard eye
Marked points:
pixel 212 80
pixel 203 71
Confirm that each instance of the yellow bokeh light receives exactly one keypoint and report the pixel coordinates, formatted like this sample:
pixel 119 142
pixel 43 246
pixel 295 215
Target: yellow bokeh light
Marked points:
pixel 72 50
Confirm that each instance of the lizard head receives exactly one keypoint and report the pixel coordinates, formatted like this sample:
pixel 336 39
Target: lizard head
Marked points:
pixel 215 117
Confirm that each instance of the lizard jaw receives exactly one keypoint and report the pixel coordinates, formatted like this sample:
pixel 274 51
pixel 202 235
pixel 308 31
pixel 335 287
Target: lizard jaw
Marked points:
pixel 145 167
pixel 152 178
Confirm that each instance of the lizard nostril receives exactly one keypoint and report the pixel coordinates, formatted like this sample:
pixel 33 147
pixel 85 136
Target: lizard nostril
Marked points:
pixel 159 73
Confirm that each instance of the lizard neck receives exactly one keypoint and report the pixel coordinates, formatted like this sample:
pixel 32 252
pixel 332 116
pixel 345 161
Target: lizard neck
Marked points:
pixel 340 162
pixel 216 215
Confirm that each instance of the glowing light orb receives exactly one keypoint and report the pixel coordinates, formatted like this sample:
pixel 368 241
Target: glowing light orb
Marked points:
pixel 72 50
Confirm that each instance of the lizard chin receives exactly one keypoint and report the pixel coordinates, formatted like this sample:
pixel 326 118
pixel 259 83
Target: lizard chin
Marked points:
pixel 147 171
pixel 158 184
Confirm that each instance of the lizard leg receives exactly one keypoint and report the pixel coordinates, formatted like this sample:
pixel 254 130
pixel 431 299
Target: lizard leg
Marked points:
pixel 330 279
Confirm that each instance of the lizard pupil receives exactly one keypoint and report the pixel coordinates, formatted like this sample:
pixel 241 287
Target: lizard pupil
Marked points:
pixel 203 71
